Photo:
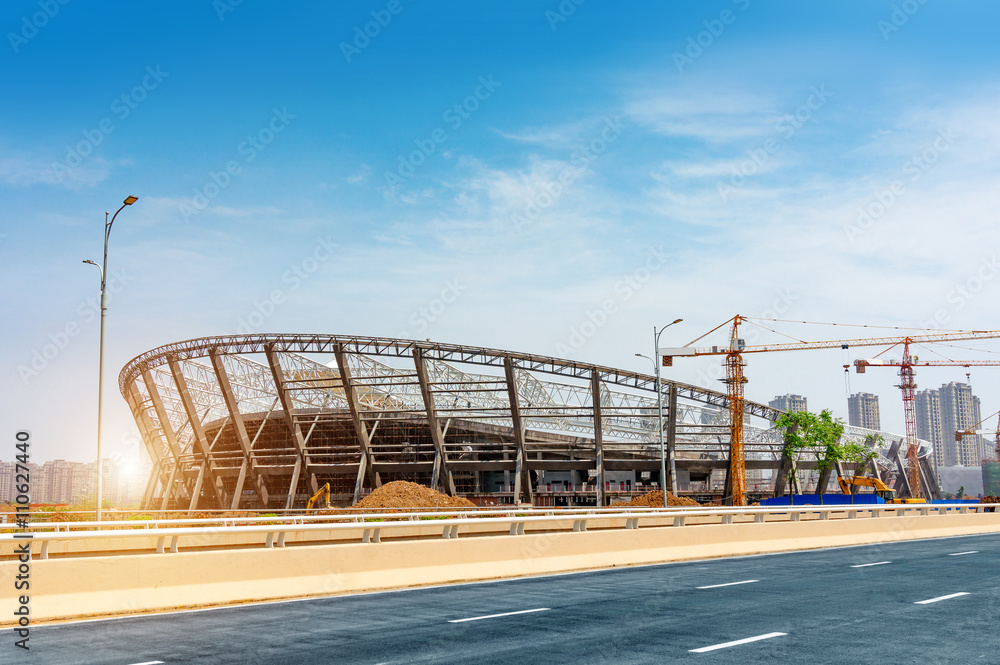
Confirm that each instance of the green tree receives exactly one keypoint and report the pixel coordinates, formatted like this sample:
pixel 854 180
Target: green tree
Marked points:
pixel 859 455
pixel 819 433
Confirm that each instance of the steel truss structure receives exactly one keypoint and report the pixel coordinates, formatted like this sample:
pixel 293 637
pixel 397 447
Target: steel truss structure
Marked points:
pixel 262 421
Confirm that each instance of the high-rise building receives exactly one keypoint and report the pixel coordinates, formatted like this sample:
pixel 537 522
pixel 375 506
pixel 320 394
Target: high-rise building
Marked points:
pixel 789 403
pixel 6 481
pixel 59 481
pixel 944 411
pixel 959 409
pixel 862 411
pixel 928 410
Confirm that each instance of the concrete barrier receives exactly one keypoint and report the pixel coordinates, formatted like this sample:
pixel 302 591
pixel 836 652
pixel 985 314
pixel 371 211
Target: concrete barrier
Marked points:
pixel 88 586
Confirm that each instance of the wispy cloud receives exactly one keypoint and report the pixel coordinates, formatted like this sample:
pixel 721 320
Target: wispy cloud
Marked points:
pixel 706 114
pixel 250 211
pixel 20 170
pixel 561 135
pixel 360 176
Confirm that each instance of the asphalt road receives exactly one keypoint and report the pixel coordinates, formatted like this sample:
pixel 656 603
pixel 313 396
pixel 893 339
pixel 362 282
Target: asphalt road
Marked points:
pixel 851 605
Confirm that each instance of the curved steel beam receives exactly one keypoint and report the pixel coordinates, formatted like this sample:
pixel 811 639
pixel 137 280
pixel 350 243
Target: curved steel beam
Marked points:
pixel 403 348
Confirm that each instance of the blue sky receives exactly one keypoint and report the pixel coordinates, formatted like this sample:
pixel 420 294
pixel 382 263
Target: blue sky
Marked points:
pixel 531 161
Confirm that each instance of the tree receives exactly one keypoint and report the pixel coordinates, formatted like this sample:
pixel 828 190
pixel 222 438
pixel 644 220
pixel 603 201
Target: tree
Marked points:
pixel 860 455
pixel 821 433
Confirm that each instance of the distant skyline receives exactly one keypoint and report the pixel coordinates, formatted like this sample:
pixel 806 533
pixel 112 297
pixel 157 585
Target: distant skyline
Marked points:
pixel 536 176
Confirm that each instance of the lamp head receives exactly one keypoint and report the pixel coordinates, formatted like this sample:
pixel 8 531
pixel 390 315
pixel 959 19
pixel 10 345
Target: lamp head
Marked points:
pixel 677 321
pixel 90 262
pixel 130 200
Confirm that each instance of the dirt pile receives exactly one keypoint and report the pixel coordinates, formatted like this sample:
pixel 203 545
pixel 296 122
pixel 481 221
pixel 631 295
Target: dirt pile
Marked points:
pixel 404 494
pixel 654 499
pixel 990 499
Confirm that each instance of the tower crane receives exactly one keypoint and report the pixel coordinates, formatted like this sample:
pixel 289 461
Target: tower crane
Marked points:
pixel 908 385
pixel 972 431
pixel 735 380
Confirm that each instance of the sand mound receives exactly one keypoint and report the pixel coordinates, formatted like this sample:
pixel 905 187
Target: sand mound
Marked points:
pixel 655 500
pixel 404 494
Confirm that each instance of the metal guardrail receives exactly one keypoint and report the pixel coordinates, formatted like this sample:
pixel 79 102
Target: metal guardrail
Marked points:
pixel 300 518
pixel 275 534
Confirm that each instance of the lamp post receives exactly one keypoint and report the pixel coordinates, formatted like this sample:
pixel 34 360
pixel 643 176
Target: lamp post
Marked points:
pixel 659 414
pixel 100 375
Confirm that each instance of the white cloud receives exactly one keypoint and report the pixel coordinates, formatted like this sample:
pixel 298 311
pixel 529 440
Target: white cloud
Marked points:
pixel 250 211
pixel 19 170
pixel 360 176
pixel 555 136
pixel 711 115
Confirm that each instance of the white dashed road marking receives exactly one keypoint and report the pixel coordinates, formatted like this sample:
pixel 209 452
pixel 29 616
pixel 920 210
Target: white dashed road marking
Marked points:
pixel 726 645
pixel 505 614
pixel 940 598
pixel 716 586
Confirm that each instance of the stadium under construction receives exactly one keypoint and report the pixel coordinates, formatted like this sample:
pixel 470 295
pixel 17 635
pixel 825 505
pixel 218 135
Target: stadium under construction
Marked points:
pixel 263 421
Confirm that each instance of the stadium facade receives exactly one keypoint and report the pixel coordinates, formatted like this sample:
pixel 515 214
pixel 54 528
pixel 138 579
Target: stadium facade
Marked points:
pixel 263 421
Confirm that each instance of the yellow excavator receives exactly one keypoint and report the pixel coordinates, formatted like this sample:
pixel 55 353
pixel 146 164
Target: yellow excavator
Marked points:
pixel 323 492
pixel 881 489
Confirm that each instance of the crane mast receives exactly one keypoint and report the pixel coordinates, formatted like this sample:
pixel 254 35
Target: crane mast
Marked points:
pixel 734 385
pixel 908 384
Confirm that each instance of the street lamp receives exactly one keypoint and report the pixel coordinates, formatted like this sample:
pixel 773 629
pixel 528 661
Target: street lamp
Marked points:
pixel 659 414
pixel 100 376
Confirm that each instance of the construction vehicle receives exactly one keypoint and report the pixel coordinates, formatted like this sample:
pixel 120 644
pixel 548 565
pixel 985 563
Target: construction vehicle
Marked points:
pixel 735 380
pixel 323 492
pixel 882 490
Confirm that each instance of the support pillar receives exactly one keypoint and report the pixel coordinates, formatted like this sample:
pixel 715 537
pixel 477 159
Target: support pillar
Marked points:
pixel 595 396
pixel 168 431
pixel 146 430
pixel 928 479
pixel 154 480
pixel 232 405
pixel 437 436
pixel 168 491
pixel 293 427
pixel 672 439
pixel 902 484
pixel 196 493
pixel 522 478
pixel 365 468
pixel 198 432
pixel 784 469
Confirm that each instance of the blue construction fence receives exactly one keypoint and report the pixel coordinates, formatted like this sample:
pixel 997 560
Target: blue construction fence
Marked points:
pixel 822 499
pixel 839 500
